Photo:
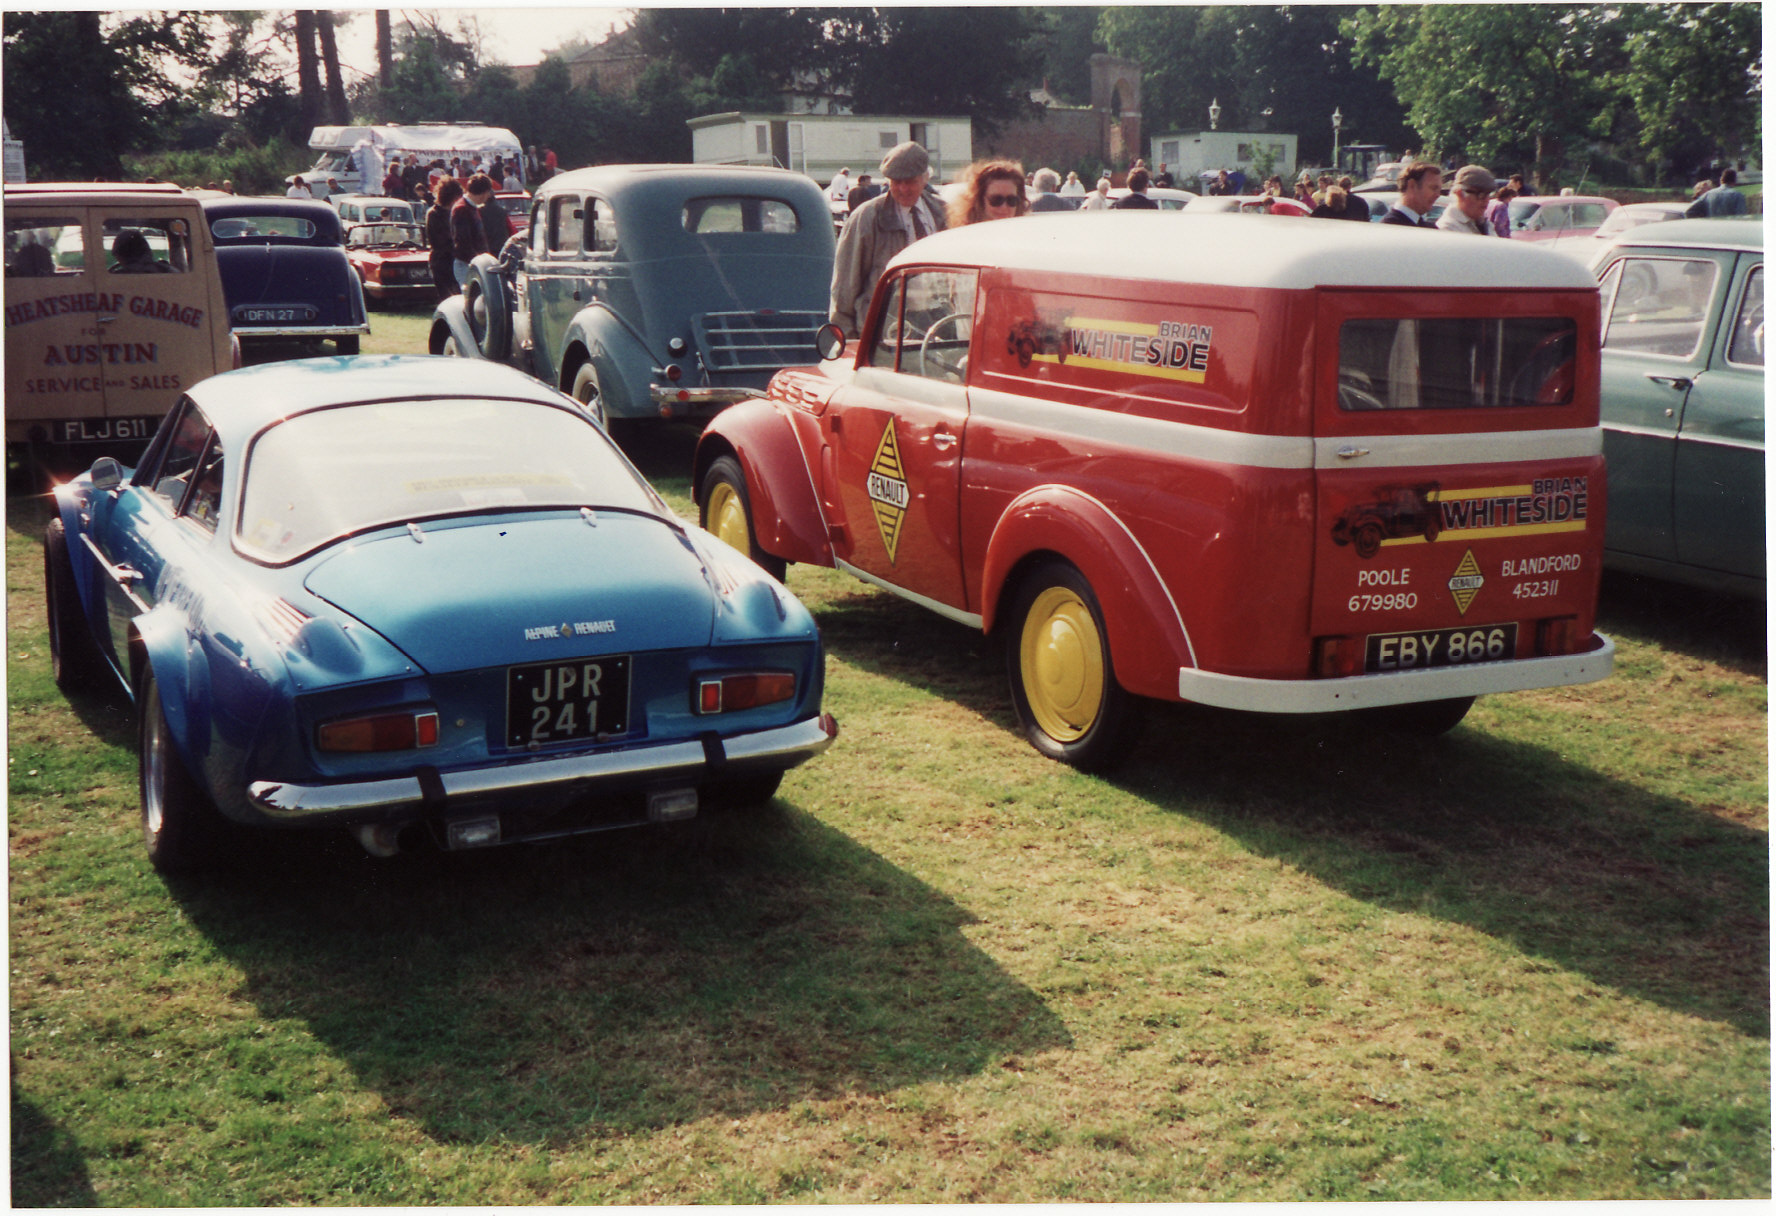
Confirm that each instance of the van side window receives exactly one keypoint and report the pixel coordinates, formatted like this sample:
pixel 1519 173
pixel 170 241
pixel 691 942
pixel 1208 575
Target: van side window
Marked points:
pixel 38 247
pixel 1747 346
pixel 1411 363
pixel 566 224
pixel 1660 306
pixel 927 325
pixel 147 245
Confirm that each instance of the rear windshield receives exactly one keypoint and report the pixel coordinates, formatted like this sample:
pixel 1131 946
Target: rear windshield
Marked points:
pixel 258 227
pixel 740 213
pixel 327 474
pixel 1430 363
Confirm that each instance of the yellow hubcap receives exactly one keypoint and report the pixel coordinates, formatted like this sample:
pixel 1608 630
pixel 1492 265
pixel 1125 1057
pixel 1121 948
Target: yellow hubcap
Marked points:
pixel 727 518
pixel 1062 664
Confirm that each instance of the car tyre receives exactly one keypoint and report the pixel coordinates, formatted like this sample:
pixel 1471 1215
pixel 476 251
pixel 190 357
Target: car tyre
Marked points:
pixel 349 344
pixel 727 514
pixel 180 825
pixel 743 793
pixel 587 393
pixel 74 656
pixel 1063 684
pixel 485 304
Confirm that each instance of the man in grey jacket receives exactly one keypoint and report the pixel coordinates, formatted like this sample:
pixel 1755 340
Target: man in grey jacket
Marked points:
pixel 1468 197
pixel 878 230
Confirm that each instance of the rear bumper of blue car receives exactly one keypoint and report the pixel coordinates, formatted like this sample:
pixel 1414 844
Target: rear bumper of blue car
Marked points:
pixel 430 793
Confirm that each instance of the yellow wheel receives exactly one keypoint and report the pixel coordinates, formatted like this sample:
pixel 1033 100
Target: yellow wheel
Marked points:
pixel 1062 682
pixel 727 513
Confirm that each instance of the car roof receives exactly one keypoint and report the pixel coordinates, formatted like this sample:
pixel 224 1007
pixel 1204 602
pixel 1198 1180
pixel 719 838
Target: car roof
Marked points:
pixel 646 183
pixel 22 193
pixel 1746 233
pixel 240 403
pixel 335 199
pixel 1544 199
pixel 233 204
pixel 1245 251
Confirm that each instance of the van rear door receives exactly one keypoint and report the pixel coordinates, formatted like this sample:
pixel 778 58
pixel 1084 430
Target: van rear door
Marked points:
pixel 1459 477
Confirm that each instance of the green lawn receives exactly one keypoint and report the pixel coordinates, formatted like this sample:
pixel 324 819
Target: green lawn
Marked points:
pixel 1266 960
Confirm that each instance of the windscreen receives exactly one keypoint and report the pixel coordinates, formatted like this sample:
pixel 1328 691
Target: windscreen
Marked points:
pixel 329 473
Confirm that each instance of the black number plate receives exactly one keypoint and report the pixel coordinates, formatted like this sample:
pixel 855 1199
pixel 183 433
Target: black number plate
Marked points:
pixel 1440 647
pixel 274 315
pixel 569 699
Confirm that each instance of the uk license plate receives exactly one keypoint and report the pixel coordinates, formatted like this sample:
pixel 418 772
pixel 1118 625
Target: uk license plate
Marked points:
pixel 275 315
pixel 1440 647
pixel 568 699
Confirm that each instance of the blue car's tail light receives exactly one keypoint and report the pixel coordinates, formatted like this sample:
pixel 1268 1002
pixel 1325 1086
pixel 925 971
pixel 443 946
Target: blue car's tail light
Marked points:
pixel 379 732
pixel 730 693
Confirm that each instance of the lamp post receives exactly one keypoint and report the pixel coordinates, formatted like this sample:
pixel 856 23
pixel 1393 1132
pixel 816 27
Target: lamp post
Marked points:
pixel 1214 113
pixel 1337 122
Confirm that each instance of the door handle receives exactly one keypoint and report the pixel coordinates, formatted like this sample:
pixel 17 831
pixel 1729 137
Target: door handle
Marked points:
pixel 943 440
pixel 1348 452
pixel 1680 383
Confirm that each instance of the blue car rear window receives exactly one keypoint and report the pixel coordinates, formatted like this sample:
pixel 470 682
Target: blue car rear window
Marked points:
pixel 316 477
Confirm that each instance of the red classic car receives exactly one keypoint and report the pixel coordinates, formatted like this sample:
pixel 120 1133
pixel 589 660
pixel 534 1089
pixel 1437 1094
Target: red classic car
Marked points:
pixel 390 260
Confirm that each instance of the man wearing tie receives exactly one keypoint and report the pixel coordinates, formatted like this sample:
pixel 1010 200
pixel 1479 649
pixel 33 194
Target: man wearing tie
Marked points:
pixel 1421 184
pixel 878 230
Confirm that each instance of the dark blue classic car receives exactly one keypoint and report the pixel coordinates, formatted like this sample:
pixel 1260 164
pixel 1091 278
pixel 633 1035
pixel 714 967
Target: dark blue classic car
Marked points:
pixel 284 270
pixel 650 291
pixel 414 596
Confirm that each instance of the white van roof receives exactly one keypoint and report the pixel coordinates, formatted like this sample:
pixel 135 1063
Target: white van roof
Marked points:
pixel 1247 251
pixel 441 139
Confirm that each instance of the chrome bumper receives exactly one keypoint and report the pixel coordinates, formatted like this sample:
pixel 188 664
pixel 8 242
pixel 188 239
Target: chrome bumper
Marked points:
pixel 687 762
pixel 300 331
pixel 673 394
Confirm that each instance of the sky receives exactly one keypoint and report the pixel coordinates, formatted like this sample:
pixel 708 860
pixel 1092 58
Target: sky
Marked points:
pixel 515 36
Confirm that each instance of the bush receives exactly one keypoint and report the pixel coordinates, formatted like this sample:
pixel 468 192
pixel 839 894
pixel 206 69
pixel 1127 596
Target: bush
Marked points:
pixel 254 170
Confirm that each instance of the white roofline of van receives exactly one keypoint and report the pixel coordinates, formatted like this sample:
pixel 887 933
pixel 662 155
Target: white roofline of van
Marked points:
pixel 1248 251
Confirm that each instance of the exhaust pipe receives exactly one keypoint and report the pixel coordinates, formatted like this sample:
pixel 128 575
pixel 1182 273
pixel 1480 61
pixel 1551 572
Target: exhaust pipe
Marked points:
pixel 379 839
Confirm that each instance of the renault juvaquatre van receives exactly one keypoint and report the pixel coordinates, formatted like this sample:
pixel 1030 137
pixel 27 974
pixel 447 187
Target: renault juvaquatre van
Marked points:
pixel 114 307
pixel 1289 468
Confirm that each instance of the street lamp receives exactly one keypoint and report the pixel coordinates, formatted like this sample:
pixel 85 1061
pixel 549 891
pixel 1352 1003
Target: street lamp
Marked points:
pixel 1214 113
pixel 1337 122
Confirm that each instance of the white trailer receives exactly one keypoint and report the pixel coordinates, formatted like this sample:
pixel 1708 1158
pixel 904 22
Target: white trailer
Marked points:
pixel 819 145
pixel 1189 154
pixel 428 141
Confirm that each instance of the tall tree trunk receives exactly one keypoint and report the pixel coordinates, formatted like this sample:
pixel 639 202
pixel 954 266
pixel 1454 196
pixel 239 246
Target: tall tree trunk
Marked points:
pixel 337 110
pixel 308 70
pixel 385 49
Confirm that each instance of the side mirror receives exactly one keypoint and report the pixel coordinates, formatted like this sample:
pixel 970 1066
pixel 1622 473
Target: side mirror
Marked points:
pixel 829 341
pixel 107 474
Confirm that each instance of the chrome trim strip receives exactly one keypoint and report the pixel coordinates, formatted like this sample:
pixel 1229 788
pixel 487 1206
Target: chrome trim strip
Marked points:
pixel 275 331
pixel 1489 447
pixel 1155 435
pixel 780 747
pixel 667 394
pixel 1394 688
pixel 1723 441
pixel 971 619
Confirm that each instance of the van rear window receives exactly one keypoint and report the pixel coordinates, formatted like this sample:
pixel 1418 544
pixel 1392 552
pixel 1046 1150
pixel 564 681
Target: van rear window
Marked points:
pixel 1429 363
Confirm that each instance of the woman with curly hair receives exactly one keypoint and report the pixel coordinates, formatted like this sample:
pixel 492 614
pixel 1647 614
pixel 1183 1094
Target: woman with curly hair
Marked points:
pixel 991 190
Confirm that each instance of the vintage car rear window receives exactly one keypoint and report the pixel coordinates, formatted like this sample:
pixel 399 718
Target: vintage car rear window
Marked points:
pixel 741 213
pixel 1413 363
pixel 329 473
pixel 249 227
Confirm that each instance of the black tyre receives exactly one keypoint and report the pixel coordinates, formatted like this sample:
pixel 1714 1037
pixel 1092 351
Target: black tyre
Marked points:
pixel 743 792
pixel 727 513
pixel 349 344
pixel 74 656
pixel 587 393
pixel 1421 719
pixel 1063 684
pixel 180 825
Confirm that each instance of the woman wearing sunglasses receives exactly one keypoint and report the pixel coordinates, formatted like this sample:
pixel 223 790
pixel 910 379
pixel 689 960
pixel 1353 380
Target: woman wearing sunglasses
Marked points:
pixel 991 190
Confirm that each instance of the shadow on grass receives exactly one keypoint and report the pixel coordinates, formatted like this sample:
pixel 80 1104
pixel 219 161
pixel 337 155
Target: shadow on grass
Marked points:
pixel 617 982
pixel 1724 629
pixel 1650 895
pixel 48 1168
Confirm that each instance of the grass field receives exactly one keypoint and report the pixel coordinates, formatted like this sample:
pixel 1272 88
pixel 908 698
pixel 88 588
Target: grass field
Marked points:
pixel 1264 961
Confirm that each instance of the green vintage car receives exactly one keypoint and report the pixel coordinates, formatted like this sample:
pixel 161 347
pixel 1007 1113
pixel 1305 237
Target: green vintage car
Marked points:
pixel 1683 402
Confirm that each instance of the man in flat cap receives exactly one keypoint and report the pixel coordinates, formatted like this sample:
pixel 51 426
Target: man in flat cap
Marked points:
pixel 878 230
pixel 1469 195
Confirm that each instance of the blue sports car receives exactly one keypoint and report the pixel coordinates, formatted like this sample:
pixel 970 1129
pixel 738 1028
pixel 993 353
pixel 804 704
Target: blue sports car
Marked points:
pixel 405 594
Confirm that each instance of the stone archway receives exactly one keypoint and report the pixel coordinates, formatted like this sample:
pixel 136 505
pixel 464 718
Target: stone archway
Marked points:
pixel 1116 97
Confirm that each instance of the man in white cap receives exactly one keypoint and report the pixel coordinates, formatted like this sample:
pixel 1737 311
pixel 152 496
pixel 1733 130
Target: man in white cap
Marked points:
pixel 1468 196
pixel 878 230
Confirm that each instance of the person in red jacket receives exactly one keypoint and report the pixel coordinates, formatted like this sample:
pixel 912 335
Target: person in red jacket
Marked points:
pixel 467 232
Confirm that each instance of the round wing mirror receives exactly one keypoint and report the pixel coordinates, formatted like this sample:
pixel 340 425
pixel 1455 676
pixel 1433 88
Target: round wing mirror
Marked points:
pixel 107 474
pixel 829 340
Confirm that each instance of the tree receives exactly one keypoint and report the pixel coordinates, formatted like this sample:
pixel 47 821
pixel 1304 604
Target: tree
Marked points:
pixel 338 112
pixel 1060 44
pixel 385 49
pixel 974 61
pixel 1497 84
pixel 1693 79
pixel 308 69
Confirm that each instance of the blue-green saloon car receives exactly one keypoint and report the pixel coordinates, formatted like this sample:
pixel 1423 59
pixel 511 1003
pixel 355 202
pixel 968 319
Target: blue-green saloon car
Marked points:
pixel 1683 402
pixel 649 291
pixel 409 595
